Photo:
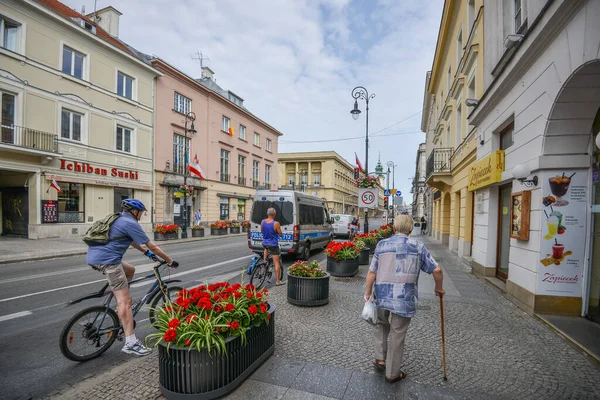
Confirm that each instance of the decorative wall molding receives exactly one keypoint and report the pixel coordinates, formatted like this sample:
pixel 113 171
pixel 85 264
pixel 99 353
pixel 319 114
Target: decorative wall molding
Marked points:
pixel 9 75
pixel 124 162
pixel 73 97
pixel 126 115
pixel 73 152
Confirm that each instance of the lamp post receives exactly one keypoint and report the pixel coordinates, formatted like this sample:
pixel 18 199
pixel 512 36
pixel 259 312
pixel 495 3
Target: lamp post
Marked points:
pixel 390 164
pixel 189 117
pixel 360 92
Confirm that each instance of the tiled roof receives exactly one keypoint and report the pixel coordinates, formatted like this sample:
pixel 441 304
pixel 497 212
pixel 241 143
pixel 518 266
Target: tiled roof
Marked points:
pixel 68 13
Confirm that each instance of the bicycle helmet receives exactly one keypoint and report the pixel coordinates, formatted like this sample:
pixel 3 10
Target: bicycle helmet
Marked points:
pixel 132 204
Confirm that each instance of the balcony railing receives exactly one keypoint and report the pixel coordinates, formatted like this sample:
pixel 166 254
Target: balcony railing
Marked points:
pixel 439 161
pixel 241 180
pixel 224 178
pixel 255 183
pixel 265 186
pixel 29 138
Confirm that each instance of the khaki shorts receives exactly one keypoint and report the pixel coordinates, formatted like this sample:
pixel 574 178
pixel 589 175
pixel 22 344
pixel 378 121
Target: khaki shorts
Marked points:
pixel 114 274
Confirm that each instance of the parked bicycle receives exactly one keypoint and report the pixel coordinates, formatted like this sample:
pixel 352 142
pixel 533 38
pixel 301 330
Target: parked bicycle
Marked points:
pixel 263 270
pixel 91 332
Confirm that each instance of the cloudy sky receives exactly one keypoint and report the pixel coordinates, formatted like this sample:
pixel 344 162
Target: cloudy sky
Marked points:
pixel 295 63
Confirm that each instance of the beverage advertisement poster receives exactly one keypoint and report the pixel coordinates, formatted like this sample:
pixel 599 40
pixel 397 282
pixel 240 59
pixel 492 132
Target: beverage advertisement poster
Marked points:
pixel 564 220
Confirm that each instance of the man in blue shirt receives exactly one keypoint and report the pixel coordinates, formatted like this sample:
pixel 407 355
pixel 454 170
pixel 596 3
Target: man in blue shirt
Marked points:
pixel 394 274
pixel 108 259
pixel 271 231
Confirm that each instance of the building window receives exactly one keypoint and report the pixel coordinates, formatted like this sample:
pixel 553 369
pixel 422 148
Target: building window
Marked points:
pixel 506 136
pixel 317 179
pixel 459 47
pixel 459 134
pixel 181 148
pixel 518 15
pixel 123 139
pixel 224 166
pixel 70 125
pixel 124 85
pixel 268 144
pixel 8 118
pixel 71 202
pixel 73 62
pixel 267 174
pixel 471 87
pixel 304 179
pixel 292 179
pixel 255 173
pixel 9 34
pixel 449 79
pixel 470 14
pixel 224 209
pixel 256 139
pixel 241 170
pixel 225 124
pixel 242 132
pixel 120 195
pixel 448 134
pixel 182 104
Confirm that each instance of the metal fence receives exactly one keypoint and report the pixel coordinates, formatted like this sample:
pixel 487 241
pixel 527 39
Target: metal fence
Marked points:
pixel 29 138
pixel 439 161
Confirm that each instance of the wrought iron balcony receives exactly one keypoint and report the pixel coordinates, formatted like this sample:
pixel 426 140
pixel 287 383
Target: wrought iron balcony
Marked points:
pixel 224 177
pixel 28 138
pixel 255 183
pixel 439 162
pixel 241 180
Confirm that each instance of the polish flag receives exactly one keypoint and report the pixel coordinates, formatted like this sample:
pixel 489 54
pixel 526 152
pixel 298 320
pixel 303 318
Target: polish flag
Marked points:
pixel 195 168
pixel 54 185
pixel 358 164
pixel 230 131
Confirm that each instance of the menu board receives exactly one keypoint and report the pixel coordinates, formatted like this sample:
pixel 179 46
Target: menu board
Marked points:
pixel 564 221
pixel 49 211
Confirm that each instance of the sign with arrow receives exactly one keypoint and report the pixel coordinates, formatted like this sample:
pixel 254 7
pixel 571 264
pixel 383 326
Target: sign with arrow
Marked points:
pixel 398 193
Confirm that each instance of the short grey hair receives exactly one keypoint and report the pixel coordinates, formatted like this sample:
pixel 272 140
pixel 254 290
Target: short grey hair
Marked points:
pixel 271 212
pixel 403 224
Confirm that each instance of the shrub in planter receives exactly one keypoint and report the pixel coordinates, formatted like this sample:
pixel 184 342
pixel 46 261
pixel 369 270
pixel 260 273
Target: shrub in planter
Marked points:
pixel 234 227
pixel 308 284
pixel 245 226
pixel 197 231
pixel 369 239
pixel 166 232
pixel 219 228
pixel 342 258
pixel 364 251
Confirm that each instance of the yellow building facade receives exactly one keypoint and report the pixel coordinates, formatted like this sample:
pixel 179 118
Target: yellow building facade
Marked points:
pixel 453 86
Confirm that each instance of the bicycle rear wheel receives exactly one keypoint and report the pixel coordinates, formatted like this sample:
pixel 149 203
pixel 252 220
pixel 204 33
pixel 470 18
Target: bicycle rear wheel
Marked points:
pixel 159 301
pixel 259 274
pixel 89 333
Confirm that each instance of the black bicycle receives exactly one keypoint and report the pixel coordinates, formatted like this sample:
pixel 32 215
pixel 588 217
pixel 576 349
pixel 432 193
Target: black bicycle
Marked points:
pixel 90 332
pixel 263 270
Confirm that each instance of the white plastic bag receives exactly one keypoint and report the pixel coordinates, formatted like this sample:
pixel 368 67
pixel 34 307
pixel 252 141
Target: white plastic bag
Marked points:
pixel 369 312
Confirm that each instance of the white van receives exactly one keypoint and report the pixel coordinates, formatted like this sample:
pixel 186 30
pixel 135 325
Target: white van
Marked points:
pixel 304 220
pixel 341 224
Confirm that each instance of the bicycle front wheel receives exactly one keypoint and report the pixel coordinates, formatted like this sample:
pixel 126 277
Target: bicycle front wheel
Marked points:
pixel 159 301
pixel 259 274
pixel 89 333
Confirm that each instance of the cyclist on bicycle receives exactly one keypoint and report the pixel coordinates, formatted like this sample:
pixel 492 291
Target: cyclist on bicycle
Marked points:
pixel 354 226
pixel 271 230
pixel 108 259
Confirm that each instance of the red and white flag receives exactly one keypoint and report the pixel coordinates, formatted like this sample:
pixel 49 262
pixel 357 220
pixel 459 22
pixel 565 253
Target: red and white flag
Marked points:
pixel 54 185
pixel 358 164
pixel 195 168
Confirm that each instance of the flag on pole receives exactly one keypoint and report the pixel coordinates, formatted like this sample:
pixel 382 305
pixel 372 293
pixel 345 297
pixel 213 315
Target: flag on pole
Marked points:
pixel 54 185
pixel 195 168
pixel 358 164
pixel 231 131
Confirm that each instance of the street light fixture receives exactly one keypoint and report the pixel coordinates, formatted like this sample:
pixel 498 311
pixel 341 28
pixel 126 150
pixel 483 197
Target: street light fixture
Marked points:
pixel 189 117
pixel 390 164
pixel 360 92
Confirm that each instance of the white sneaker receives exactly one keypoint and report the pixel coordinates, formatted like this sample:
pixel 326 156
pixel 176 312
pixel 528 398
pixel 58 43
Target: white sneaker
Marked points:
pixel 137 348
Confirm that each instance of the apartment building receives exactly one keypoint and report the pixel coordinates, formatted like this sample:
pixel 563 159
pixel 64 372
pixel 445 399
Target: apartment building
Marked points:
pixel 418 184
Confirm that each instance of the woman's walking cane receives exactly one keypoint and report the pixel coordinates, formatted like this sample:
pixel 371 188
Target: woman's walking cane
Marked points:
pixel 443 338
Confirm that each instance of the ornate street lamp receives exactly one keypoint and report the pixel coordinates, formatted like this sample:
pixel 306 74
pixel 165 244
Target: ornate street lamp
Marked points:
pixel 189 117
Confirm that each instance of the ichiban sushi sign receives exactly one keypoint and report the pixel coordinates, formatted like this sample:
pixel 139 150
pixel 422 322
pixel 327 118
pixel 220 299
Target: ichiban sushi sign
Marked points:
pixel 487 171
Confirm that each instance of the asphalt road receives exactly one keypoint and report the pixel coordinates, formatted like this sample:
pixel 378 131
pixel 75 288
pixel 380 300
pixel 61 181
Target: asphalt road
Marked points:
pixel 33 312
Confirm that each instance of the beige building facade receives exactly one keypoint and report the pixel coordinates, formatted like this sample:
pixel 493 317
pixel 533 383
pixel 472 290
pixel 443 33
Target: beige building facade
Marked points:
pixel 77 108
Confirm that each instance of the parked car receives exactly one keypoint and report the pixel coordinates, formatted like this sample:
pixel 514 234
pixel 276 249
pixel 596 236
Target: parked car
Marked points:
pixel 341 224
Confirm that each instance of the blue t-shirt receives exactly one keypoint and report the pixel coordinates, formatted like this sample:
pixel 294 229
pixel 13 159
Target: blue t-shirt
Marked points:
pixel 270 237
pixel 113 251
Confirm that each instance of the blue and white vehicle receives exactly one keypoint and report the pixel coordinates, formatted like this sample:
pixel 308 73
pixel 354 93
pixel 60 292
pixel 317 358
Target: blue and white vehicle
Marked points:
pixel 304 220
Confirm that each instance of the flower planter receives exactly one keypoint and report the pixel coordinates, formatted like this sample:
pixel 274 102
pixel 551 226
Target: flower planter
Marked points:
pixel 165 236
pixel 197 232
pixel 308 292
pixel 233 230
pixel 192 374
pixel 364 257
pixel 342 267
pixel 218 231
pixel 245 229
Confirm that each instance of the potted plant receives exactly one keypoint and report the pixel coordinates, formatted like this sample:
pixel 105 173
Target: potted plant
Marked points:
pixel 366 181
pixel 211 338
pixel 342 258
pixel 234 226
pixel 308 284
pixel 369 239
pixel 219 228
pixel 363 259
pixel 166 232
pixel 197 231
pixel 245 226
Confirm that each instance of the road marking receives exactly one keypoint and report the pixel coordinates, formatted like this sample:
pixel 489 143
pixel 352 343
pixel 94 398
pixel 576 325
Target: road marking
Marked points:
pixel 51 290
pixel 15 315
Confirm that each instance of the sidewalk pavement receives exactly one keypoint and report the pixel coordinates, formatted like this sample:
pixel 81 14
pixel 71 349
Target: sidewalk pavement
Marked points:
pixel 494 351
pixel 14 250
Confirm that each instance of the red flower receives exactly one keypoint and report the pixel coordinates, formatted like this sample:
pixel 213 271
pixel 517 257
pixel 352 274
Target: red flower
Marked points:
pixel 237 295
pixel 170 335
pixel 263 308
pixel 190 318
pixel 206 317
pixel 188 342
pixel 174 323
pixel 234 325
pixel 236 286
pixel 168 309
pixel 218 309
pixel 250 287
pixel 212 288
pixel 252 310
pixel 250 295
pixel 229 307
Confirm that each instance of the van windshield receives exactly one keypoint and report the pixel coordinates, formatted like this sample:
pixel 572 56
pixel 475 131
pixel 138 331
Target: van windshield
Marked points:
pixel 285 211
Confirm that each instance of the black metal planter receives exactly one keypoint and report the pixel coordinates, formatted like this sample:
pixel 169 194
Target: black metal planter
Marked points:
pixel 197 232
pixel 364 257
pixel 218 231
pixel 342 267
pixel 165 236
pixel 234 229
pixel 308 292
pixel 190 374
pixel 245 229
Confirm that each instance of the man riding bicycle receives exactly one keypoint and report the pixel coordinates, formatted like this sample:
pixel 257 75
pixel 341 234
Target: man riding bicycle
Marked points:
pixel 108 259
pixel 271 231
pixel 354 227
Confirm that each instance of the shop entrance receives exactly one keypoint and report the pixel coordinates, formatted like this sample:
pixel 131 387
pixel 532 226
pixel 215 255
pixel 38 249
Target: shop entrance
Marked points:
pixel 503 249
pixel 15 211
pixel 594 285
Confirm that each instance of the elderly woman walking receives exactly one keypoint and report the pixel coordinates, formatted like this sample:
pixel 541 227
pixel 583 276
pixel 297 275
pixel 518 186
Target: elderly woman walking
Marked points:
pixel 393 275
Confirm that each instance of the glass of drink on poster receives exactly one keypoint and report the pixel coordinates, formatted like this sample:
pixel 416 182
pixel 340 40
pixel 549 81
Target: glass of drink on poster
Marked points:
pixel 557 251
pixel 552 222
pixel 559 185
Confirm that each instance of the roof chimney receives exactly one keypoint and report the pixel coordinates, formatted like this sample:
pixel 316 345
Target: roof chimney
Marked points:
pixel 207 73
pixel 108 19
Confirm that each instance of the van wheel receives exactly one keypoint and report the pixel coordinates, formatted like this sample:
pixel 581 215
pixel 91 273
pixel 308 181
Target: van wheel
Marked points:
pixel 305 252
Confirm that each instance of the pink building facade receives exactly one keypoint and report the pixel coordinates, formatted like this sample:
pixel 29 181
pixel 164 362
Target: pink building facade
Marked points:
pixel 236 161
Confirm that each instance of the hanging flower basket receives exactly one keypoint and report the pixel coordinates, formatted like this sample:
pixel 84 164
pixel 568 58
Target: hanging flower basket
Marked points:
pixel 367 181
pixel 308 284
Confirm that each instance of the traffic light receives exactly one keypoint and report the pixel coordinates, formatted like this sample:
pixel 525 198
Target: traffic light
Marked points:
pixel 385 202
pixel 356 171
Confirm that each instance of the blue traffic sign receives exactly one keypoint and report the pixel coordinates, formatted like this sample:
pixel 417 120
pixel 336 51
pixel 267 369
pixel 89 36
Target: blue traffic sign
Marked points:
pixel 387 192
pixel 398 194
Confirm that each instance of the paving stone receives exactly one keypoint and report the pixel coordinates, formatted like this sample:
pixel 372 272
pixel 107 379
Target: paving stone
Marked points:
pixel 278 371
pixel 293 394
pixel 252 389
pixel 373 386
pixel 322 380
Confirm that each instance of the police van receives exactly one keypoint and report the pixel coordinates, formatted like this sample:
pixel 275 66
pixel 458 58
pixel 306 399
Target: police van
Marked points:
pixel 304 220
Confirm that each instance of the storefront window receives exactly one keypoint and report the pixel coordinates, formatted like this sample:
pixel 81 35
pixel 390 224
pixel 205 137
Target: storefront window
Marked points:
pixel 241 210
pixel 71 202
pixel 224 209
pixel 120 195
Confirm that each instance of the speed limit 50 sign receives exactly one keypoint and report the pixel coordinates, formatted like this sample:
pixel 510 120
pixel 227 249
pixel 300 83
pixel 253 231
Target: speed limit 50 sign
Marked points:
pixel 368 198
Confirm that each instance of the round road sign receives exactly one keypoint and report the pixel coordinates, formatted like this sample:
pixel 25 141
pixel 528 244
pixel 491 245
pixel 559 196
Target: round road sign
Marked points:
pixel 368 197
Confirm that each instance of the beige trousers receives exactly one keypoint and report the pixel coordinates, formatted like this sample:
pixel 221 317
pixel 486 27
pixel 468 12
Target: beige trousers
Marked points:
pixel 390 327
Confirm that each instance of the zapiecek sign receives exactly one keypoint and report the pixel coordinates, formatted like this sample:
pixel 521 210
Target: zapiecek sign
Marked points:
pixel 486 171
